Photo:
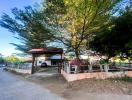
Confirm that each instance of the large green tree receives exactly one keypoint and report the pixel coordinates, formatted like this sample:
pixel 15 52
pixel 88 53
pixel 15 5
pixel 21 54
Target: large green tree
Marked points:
pixel 29 24
pixel 117 38
pixel 75 22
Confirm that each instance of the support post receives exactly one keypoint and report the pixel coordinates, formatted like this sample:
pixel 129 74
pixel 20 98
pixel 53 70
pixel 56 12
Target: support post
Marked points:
pixel 33 60
pixel 60 65
pixel 61 62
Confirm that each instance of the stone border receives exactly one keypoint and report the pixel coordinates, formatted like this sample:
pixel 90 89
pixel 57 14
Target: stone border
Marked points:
pixel 96 75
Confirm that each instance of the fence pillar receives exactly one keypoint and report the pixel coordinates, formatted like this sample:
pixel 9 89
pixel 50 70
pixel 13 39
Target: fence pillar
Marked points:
pixel 106 67
pixel 90 68
pixel 101 67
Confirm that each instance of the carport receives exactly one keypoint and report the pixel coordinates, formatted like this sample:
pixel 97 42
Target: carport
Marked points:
pixel 47 51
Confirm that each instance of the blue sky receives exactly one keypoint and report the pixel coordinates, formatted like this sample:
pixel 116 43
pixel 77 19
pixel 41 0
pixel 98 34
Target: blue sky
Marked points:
pixel 6 37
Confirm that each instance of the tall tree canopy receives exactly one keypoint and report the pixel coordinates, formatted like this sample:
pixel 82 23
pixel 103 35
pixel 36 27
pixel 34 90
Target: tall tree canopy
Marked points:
pixel 29 24
pixel 75 22
pixel 117 38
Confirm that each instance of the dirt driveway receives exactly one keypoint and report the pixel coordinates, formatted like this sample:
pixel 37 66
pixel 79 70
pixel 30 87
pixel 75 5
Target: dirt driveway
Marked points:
pixel 88 89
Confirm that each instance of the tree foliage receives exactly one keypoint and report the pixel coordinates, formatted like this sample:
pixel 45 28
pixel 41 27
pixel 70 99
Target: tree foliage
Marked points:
pixel 12 59
pixel 2 60
pixel 117 38
pixel 29 24
pixel 75 22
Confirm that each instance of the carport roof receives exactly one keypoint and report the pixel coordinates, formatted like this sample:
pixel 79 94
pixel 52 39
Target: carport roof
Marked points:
pixel 46 50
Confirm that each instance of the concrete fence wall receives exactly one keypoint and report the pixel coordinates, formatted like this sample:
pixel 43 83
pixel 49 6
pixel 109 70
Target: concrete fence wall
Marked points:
pixel 23 71
pixel 96 75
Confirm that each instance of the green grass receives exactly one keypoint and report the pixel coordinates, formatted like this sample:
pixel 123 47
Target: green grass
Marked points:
pixel 125 79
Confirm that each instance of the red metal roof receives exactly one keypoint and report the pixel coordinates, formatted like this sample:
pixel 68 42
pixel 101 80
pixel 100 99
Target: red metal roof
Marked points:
pixel 46 50
pixel 77 62
pixel 36 50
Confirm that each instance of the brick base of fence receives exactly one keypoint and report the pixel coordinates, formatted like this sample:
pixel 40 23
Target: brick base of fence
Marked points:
pixel 96 75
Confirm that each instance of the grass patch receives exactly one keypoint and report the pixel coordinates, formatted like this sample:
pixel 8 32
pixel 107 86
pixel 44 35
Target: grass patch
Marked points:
pixel 125 79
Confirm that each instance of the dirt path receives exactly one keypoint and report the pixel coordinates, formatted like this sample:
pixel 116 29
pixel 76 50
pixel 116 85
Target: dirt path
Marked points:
pixel 13 88
pixel 95 96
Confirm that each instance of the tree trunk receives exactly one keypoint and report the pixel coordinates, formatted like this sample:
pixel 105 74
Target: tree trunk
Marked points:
pixel 77 53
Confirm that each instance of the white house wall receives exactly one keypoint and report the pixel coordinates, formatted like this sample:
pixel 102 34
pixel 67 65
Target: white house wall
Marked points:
pixel 41 59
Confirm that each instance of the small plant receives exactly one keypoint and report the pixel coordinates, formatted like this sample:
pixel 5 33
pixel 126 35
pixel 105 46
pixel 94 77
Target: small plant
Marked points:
pixel 104 61
pixel 125 79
